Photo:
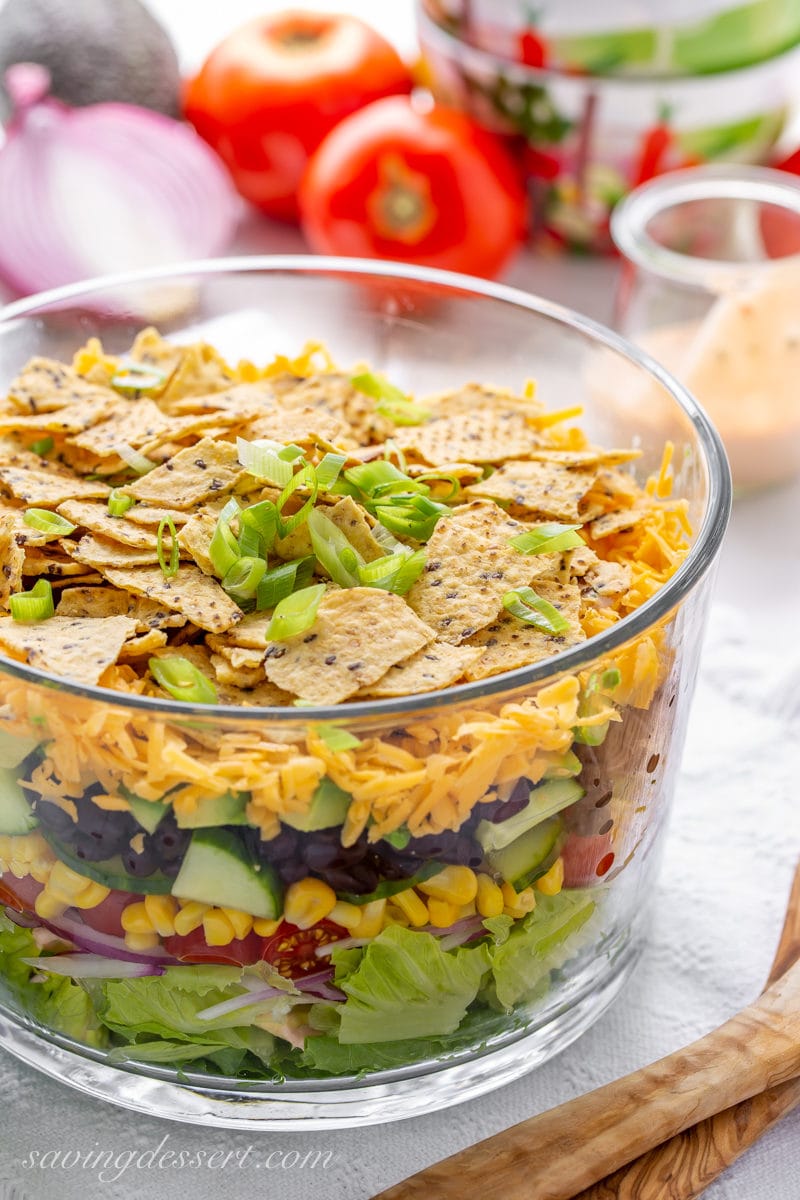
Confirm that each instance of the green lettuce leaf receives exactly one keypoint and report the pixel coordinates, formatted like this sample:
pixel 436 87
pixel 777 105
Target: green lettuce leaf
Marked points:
pixel 406 986
pixel 54 1001
pixel 524 955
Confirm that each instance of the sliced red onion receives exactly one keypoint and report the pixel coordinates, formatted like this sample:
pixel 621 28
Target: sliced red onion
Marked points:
pixel 320 984
pixel 104 188
pixel 106 944
pixel 20 918
pixel 468 925
pixel 342 944
pixel 244 1001
pixel 91 966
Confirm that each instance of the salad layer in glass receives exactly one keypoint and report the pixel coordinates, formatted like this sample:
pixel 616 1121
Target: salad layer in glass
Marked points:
pixel 400 878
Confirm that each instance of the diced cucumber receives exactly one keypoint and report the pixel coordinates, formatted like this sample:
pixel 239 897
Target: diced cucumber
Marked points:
pixel 14 748
pixel 16 814
pixel 228 809
pixel 110 872
pixel 147 812
pixel 545 801
pixel 591 735
pixel 217 869
pixel 530 855
pixel 328 807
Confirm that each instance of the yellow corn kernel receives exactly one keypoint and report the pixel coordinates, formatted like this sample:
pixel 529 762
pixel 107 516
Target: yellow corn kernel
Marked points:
pixel 217 928
pixel 308 901
pixel 525 903
pixel 371 922
pixel 242 922
pixel 344 914
pixel 5 847
pixel 411 904
pixel 91 896
pixel 395 916
pixel 66 883
pixel 141 941
pixel 41 871
pixel 265 928
pixel 442 913
pixel 161 911
pixel 489 900
pixel 47 906
pixel 467 910
pixel 457 884
pixel 134 918
pixel 552 883
pixel 190 917
pixel 508 894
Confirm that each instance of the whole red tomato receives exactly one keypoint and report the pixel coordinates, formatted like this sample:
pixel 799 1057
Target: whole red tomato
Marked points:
pixel 268 94
pixel 427 187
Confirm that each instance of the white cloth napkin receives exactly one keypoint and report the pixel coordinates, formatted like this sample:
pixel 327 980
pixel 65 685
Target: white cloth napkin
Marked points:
pixel 732 843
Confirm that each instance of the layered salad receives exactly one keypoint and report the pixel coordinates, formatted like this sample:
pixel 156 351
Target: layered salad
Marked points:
pixel 346 848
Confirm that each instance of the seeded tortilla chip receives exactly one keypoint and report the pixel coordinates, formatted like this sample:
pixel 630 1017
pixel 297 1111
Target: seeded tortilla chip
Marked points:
pixel 354 524
pixel 251 631
pixel 615 522
pixel 465 473
pixel 194 474
pixel 244 402
pixel 333 393
pixel 467 573
pixel 97 519
pixel 72 418
pixel 358 634
pixel 45 385
pixel 541 490
pixel 480 397
pixel 469 436
pixel 190 592
pixel 99 552
pixel 51 560
pixel 192 370
pixel 596 576
pixel 435 666
pixel 133 423
pixel 153 515
pixel 12 558
pixel 143 643
pixel 41 487
pixel 237 656
pixel 71 647
pixel 508 642
pixel 238 677
pixel 109 602
pixel 303 426
pixel 24 535
pixel 195 538
pixel 591 456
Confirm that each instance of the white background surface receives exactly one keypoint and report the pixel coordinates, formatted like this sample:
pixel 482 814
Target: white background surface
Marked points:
pixel 731 847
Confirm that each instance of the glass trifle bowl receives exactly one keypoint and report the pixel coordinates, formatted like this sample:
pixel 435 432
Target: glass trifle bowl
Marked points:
pixel 240 899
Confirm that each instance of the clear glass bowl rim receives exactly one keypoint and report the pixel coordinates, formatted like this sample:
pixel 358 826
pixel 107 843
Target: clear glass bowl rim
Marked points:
pixel 702 554
pixel 712 181
pixel 454 47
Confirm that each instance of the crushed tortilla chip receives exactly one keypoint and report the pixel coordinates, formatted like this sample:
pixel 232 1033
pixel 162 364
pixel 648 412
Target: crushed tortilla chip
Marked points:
pixel 190 592
pixel 71 647
pixel 194 474
pixel 96 519
pixel 542 490
pixel 358 634
pixel 437 665
pixel 12 558
pixel 509 642
pixel 46 488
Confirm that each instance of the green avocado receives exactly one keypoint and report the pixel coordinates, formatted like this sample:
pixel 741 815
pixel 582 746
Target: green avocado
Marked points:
pixel 95 51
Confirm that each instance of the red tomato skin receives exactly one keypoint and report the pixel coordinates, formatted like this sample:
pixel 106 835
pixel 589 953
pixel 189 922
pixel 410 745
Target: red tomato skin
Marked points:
pixel 19 894
pixel 193 948
pixel 586 859
pixel 292 951
pixel 105 916
pixel 466 197
pixel 270 92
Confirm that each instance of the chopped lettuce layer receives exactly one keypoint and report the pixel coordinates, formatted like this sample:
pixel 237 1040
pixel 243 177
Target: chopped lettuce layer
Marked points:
pixel 406 999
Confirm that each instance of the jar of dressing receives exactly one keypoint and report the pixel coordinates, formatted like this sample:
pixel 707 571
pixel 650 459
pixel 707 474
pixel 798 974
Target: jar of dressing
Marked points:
pixel 710 287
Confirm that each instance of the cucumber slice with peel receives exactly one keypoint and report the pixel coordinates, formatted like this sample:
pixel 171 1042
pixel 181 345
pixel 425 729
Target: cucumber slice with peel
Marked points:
pixel 545 801
pixel 529 856
pixel 16 814
pixel 217 869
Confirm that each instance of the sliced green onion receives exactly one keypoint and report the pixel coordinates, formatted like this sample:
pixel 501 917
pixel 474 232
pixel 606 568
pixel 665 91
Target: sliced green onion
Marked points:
pixel 267 459
pixel 411 515
pixel 32 606
pixel 398 838
pixel 392 403
pixel 337 739
pixel 118 504
pixel 435 477
pixel 43 446
pixel 374 477
pixel 534 610
pixel 242 580
pixel 136 377
pixel 296 613
pixel 183 680
pixel 50 523
pixel 136 461
pixel 395 573
pixel 333 549
pixel 249 541
pixel 223 549
pixel 306 477
pixel 611 679
pixel 544 539
pixel 388 541
pixel 392 450
pixel 262 518
pixel 229 510
pixel 329 469
pixel 281 581
pixel 168 569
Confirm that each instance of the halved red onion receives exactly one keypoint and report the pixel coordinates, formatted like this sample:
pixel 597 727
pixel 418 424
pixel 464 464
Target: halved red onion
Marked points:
pixel 106 943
